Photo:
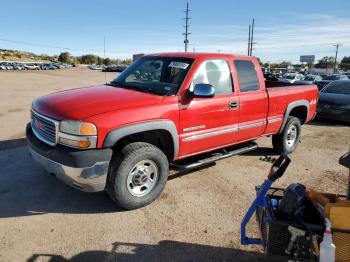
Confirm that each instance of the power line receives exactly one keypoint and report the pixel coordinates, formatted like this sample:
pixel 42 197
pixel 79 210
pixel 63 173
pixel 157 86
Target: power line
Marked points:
pixel 186 34
pixel 60 47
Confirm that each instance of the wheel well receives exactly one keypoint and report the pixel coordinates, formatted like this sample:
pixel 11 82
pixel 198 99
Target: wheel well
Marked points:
pixel 159 138
pixel 299 112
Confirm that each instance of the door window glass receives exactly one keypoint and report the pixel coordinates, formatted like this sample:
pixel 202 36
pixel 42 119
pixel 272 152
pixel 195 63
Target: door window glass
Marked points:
pixel 216 73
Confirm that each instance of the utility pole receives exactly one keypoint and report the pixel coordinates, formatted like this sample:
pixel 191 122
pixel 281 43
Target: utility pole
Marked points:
pixel 186 34
pixel 252 39
pixel 104 56
pixel 336 57
pixel 249 41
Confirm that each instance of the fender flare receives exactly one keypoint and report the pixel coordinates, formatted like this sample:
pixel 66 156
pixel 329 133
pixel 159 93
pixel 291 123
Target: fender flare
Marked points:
pixel 293 105
pixel 116 134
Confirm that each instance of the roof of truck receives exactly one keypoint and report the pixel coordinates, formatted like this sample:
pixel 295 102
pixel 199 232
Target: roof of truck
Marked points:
pixel 195 55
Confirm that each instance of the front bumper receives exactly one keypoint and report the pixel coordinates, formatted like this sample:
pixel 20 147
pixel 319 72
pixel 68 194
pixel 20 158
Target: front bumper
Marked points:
pixel 82 169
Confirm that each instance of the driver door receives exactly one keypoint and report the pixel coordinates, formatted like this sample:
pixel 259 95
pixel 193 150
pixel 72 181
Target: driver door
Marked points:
pixel 209 123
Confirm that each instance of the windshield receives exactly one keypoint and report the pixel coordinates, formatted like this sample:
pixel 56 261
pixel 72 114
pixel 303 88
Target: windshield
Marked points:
pixel 157 75
pixel 333 77
pixel 341 87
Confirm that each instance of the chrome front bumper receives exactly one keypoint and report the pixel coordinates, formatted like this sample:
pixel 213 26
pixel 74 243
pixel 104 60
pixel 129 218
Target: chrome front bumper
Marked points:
pixel 82 169
pixel 88 179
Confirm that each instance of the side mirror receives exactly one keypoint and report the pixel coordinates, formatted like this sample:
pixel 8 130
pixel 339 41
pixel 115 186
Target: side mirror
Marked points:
pixel 203 91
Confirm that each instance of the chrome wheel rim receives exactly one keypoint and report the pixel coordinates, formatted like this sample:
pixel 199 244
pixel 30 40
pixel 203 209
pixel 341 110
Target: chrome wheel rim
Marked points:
pixel 292 134
pixel 142 178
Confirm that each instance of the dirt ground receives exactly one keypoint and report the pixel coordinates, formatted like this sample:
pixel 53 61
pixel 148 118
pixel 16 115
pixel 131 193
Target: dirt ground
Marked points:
pixel 197 217
pixel 19 88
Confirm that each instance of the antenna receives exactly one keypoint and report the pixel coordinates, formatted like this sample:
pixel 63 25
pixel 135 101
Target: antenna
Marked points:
pixel 186 34
pixel 104 56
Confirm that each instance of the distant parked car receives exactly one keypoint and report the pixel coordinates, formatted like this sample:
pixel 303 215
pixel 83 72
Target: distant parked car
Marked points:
pixel 321 84
pixel 31 67
pixel 309 80
pixel 291 78
pixel 270 77
pixel 347 74
pixel 119 68
pixel 18 66
pixel 334 101
pixel 96 67
pixel 3 66
pixel 9 66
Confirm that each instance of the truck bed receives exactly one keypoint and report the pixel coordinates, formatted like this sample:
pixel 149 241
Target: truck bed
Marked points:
pixel 283 94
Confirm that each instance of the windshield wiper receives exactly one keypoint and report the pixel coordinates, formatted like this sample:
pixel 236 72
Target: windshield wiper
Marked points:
pixel 115 83
pixel 135 87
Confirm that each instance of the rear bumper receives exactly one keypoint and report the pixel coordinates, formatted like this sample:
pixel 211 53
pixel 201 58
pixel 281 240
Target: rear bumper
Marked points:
pixel 82 169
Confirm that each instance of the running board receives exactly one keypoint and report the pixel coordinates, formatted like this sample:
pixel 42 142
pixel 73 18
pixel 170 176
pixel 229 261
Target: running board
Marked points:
pixel 182 166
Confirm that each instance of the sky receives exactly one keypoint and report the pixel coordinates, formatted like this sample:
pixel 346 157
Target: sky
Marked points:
pixel 284 30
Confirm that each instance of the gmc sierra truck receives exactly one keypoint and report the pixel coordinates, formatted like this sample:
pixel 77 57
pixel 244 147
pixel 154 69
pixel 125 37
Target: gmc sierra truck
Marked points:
pixel 163 110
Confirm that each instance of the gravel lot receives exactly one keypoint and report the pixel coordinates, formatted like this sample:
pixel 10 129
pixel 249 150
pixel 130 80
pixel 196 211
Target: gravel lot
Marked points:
pixel 19 88
pixel 197 218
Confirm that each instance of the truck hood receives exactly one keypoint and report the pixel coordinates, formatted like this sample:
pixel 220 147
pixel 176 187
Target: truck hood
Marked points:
pixel 81 103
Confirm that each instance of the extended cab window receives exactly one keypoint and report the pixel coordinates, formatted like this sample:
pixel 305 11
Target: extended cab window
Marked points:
pixel 214 72
pixel 157 75
pixel 247 76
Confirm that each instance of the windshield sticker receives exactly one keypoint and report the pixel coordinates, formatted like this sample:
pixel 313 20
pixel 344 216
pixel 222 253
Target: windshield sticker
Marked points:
pixel 167 88
pixel 180 65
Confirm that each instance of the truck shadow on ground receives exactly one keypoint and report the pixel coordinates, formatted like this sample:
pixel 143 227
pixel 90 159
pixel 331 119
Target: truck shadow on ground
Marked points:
pixel 26 189
pixel 163 251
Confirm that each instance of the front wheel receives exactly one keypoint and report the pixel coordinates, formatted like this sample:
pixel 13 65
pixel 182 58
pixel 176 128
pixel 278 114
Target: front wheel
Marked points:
pixel 288 140
pixel 137 175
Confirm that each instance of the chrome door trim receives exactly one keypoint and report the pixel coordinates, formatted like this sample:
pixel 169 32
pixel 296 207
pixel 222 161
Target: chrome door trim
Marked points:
pixel 252 125
pixel 273 120
pixel 209 134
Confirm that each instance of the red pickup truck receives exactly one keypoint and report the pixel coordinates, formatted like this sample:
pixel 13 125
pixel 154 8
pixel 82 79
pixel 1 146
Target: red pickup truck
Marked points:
pixel 164 108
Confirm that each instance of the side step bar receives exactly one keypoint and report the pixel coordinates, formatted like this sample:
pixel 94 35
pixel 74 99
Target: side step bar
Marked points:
pixel 227 152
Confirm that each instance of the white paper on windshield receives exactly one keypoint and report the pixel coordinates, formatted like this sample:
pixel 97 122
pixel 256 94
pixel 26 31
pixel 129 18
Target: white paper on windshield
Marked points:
pixel 180 65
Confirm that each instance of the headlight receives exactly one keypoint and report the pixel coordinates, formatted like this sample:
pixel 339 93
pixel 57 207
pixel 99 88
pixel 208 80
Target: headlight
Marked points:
pixel 77 134
pixel 78 128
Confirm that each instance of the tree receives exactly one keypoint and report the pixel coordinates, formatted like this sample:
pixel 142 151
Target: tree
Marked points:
pixel 107 61
pixel 64 57
pixel 88 59
pixel 326 62
pixel 284 64
pixel 310 65
pixel 345 63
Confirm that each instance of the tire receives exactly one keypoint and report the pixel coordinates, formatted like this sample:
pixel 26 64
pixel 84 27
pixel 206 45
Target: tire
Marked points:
pixel 126 182
pixel 288 140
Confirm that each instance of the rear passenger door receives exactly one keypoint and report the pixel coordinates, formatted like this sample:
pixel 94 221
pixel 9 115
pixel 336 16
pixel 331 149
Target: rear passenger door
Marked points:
pixel 209 123
pixel 253 102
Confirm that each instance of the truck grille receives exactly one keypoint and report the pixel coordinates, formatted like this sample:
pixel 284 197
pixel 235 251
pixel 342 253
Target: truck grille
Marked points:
pixel 44 128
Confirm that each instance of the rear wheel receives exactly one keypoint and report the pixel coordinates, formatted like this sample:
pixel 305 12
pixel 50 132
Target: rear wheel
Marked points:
pixel 137 175
pixel 288 140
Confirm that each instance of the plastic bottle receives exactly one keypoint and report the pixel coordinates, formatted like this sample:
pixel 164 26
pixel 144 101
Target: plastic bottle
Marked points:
pixel 327 248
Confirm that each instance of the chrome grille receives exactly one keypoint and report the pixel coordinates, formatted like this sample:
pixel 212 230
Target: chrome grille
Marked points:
pixel 44 128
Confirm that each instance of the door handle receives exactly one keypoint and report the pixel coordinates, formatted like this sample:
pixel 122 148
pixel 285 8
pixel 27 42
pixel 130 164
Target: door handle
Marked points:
pixel 233 105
